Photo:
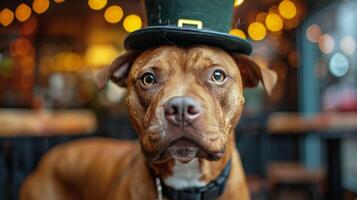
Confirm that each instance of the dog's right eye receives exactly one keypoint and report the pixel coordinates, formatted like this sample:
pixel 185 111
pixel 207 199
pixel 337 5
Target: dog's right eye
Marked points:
pixel 218 76
pixel 148 79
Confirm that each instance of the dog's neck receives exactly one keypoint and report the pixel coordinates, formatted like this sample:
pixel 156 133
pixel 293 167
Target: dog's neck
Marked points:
pixel 185 175
pixel 196 173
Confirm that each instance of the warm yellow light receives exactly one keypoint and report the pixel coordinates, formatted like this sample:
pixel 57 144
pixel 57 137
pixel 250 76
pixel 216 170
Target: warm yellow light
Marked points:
pixel 274 22
pixel 100 55
pixel 23 12
pixel 238 2
pixel 6 17
pixel 97 4
pixel 257 31
pixel 287 9
pixel 313 33
pixel 59 1
pixel 326 43
pixel 132 23
pixel 72 62
pixel 238 33
pixel 113 14
pixel 40 6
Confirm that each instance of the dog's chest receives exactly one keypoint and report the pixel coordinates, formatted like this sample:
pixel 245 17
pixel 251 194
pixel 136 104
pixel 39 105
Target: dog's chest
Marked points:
pixel 185 175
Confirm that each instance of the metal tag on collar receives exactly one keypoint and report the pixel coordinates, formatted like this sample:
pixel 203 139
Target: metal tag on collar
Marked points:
pixel 158 189
pixel 190 23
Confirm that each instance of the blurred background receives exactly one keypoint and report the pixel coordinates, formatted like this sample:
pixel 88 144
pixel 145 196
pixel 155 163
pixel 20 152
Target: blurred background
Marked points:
pixel 298 144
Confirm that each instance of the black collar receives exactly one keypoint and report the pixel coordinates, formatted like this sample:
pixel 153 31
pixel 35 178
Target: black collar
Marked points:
pixel 211 191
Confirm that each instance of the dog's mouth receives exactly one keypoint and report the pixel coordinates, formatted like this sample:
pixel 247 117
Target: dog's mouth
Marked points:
pixel 185 150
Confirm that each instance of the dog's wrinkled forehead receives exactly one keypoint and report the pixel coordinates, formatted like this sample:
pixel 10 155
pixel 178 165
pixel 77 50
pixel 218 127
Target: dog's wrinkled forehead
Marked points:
pixel 162 57
pixel 187 59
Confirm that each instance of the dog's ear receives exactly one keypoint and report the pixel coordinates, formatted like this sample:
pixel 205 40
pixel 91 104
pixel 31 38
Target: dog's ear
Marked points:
pixel 252 73
pixel 118 71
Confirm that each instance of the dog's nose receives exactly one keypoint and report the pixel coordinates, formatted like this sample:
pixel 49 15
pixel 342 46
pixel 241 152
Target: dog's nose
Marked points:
pixel 182 110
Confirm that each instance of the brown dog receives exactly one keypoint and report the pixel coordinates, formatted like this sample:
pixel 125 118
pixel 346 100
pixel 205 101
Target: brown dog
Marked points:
pixel 184 102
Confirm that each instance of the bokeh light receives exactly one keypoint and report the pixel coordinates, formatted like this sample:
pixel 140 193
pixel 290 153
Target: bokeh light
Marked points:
pixel 238 2
pixel 257 31
pixel 23 12
pixel 100 55
pixel 274 22
pixel 72 62
pixel 339 65
pixel 132 23
pixel 40 6
pixel 313 33
pixel 6 17
pixel 287 9
pixel 19 47
pixel 326 43
pixel 113 14
pixel 97 4
pixel 58 62
pixel 348 45
pixel 238 33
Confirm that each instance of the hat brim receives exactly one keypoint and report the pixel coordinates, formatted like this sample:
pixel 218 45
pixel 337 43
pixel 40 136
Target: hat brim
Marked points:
pixel 154 36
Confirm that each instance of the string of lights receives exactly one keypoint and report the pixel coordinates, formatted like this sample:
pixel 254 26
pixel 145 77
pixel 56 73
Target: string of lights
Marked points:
pixel 113 13
pixel 282 16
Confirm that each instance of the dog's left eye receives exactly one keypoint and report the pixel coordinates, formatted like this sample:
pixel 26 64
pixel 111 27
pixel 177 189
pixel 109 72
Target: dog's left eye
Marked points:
pixel 218 76
pixel 148 79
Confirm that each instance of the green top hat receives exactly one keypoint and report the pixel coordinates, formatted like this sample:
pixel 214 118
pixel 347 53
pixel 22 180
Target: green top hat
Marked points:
pixel 188 22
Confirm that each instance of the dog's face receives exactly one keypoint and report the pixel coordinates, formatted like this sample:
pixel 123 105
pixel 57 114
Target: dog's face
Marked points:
pixel 185 102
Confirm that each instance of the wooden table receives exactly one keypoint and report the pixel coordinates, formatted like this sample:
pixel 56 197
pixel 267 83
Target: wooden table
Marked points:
pixel 331 127
pixel 23 122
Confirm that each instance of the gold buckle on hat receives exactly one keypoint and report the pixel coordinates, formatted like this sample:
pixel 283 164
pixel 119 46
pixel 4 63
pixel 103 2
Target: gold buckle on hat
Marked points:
pixel 197 23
